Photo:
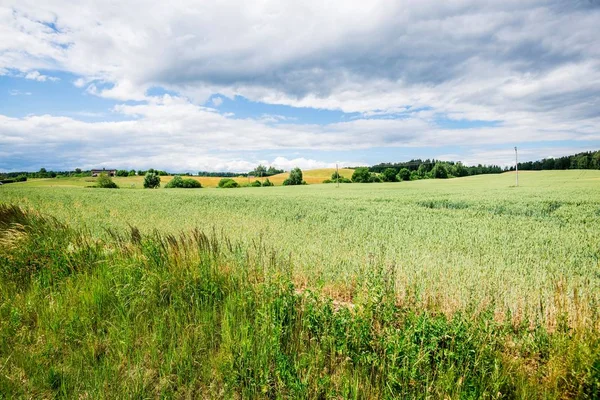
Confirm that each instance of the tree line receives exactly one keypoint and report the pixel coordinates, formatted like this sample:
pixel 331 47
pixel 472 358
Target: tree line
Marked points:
pixel 585 160
pixel 424 167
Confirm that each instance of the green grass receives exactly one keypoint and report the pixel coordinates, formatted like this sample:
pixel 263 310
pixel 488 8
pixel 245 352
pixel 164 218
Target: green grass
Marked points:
pixel 460 288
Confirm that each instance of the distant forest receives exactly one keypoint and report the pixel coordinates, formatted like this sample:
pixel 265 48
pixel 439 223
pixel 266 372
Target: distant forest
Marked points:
pixel 423 167
pixel 585 160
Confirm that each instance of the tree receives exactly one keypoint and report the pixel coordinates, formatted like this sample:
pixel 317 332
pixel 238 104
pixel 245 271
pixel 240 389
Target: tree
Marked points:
pixel 261 170
pixel 274 171
pixel 267 182
pixel 361 175
pixel 403 175
pixel 104 181
pixel 439 171
pixel 151 180
pixel 460 170
pixel 596 160
pixel 256 183
pixel 132 172
pixel 375 178
pixel 389 175
pixel 77 170
pixel 581 162
pixel 122 172
pixel 295 178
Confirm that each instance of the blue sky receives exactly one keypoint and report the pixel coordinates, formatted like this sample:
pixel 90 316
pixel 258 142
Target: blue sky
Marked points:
pixel 232 85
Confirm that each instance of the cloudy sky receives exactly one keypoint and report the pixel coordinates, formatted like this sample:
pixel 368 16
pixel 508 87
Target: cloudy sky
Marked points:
pixel 224 85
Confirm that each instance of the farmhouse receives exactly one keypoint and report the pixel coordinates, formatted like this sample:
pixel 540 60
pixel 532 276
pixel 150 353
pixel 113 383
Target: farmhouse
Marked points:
pixel 109 172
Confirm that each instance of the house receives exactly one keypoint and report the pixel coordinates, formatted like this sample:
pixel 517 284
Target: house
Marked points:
pixel 109 172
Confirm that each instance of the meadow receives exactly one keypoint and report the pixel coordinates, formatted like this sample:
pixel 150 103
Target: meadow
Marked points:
pixel 459 288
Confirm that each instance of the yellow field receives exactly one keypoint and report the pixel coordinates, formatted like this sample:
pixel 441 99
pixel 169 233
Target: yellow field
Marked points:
pixel 312 176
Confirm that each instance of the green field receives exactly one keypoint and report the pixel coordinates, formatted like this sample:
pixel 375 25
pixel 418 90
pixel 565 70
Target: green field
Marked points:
pixel 459 288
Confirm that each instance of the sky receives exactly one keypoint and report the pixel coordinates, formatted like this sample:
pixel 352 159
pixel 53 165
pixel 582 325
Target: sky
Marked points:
pixel 225 85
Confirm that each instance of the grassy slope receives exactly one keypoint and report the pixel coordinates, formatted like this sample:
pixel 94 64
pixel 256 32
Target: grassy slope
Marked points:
pixel 136 182
pixel 476 250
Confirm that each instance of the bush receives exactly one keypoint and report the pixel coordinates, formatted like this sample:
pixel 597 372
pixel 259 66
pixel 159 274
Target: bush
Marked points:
pixel 267 182
pixel 122 172
pixel 21 178
pixel 403 175
pixel 414 176
pixel 151 180
pixel 228 183
pixel 131 173
pixel 295 178
pixel 361 175
pixel 179 182
pixel 104 181
pixel 389 175
pixel 256 183
pixel 328 181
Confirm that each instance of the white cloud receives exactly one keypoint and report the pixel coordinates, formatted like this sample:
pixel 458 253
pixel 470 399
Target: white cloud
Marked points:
pixel 37 76
pixel 15 92
pixel 216 101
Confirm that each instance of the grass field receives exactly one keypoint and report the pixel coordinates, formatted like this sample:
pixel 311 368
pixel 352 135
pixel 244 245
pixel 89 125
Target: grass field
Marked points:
pixel 459 288
pixel 137 182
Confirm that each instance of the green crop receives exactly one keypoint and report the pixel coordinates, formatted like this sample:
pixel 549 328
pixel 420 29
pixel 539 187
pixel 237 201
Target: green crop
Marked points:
pixel 458 288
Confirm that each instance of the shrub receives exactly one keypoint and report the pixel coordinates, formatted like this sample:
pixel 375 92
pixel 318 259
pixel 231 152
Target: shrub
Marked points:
pixel 256 183
pixel 227 183
pixel 295 178
pixel 21 178
pixel 122 172
pixel 131 173
pixel 328 181
pixel 190 183
pixel 151 180
pixel 404 175
pixel 179 182
pixel 389 175
pixel 267 182
pixel 361 175
pixel 414 175
pixel 104 181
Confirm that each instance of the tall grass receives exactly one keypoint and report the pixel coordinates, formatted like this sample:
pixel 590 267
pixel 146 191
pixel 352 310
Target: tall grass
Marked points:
pixel 195 315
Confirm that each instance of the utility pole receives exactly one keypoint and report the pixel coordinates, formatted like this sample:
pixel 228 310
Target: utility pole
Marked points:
pixel 337 175
pixel 517 164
